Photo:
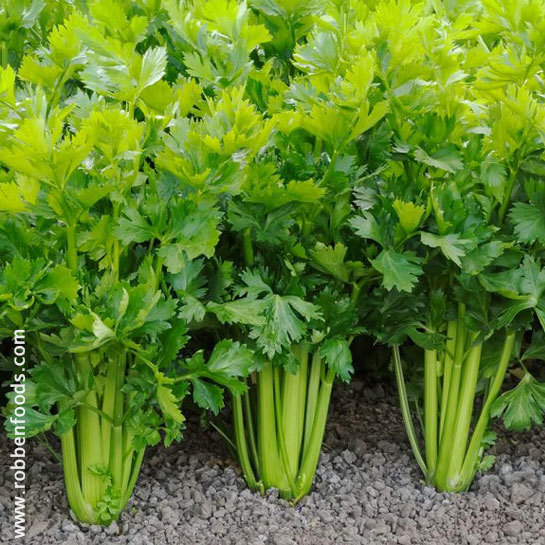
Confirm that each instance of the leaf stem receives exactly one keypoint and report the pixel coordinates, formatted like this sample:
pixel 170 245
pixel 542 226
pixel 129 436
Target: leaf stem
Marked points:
pixel 241 443
pixel 71 248
pixel 507 195
pixel 465 410
pixel 247 247
pixel 430 409
pixel 406 411
pixel 468 468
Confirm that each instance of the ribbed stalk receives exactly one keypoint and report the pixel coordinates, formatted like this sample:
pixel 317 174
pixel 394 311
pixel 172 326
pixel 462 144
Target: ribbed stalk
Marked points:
pixel 286 491
pixel 458 453
pixel 406 412
pixel 468 468
pixel 95 441
pixel 82 487
pixel 71 248
pixel 451 409
pixel 312 455
pixel 292 424
pixel 108 407
pixel 135 471
pixel 430 409
pixel 242 446
pixel 270 463
pixel 249 420
pixel 448 362
pixel 89 433
pixel 128 457
pixel 312 397
pixel 117 444
pixel 81 508
pixel 465 410
pixel 303 385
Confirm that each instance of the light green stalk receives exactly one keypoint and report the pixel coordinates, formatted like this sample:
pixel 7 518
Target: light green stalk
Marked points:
pixel 406 411
pixel 430 409
pixel 451 409
pixel 468 468
pixel 312 397
pixel 270 463
pixel 312 455
pixel 291 403
pixel 448 362
pixel 117 444
pixel 89 433
pixel 81 508
pixel 242 446
pixel 465 410
pixel 249 420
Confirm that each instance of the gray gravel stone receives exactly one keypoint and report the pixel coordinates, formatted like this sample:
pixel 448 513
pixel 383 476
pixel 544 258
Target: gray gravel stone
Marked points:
pixel 112 529
pixel 491 503
pixel 520 493
pixel 349 457
pixel 513 528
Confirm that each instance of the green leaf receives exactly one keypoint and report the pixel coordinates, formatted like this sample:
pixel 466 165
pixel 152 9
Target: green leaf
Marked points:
pixel 231 358
pixel 493 176
pixel 7 85
pixel 254 285
pixel 366 120
pixel 192 309
pixel 409 215
pixel 207 396
pixel 172 341
pixel 366 226
pixel 35 423
pixel 193 229
pixel 446 159
pixel 154 64
pixel 240 311
pixel 521 406
pixel 532 277
pixel 169 404
pixel 10 199
pixel 319 55
pixel 53 382
pixel 536 350
pixel 285 323
pixel 172 256
pixel 331 260
pixel 337 355
pixel 452 246
pixel 59 281
pixel 133 227
pixel 478 259
pixel 529 221
pixel 399 270
pixel 65 421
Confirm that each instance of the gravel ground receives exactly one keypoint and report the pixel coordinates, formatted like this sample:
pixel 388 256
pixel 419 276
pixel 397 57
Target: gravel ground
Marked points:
pixel 368 491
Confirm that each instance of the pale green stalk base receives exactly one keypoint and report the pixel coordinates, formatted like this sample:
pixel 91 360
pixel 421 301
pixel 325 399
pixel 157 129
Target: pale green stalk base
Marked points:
pixel 279 437
pixel 99 461
pixel 452 453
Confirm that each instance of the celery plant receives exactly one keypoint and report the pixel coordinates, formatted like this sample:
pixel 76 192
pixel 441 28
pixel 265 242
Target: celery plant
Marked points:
pixel 457 219
pixel 283 282
pixel 93 228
